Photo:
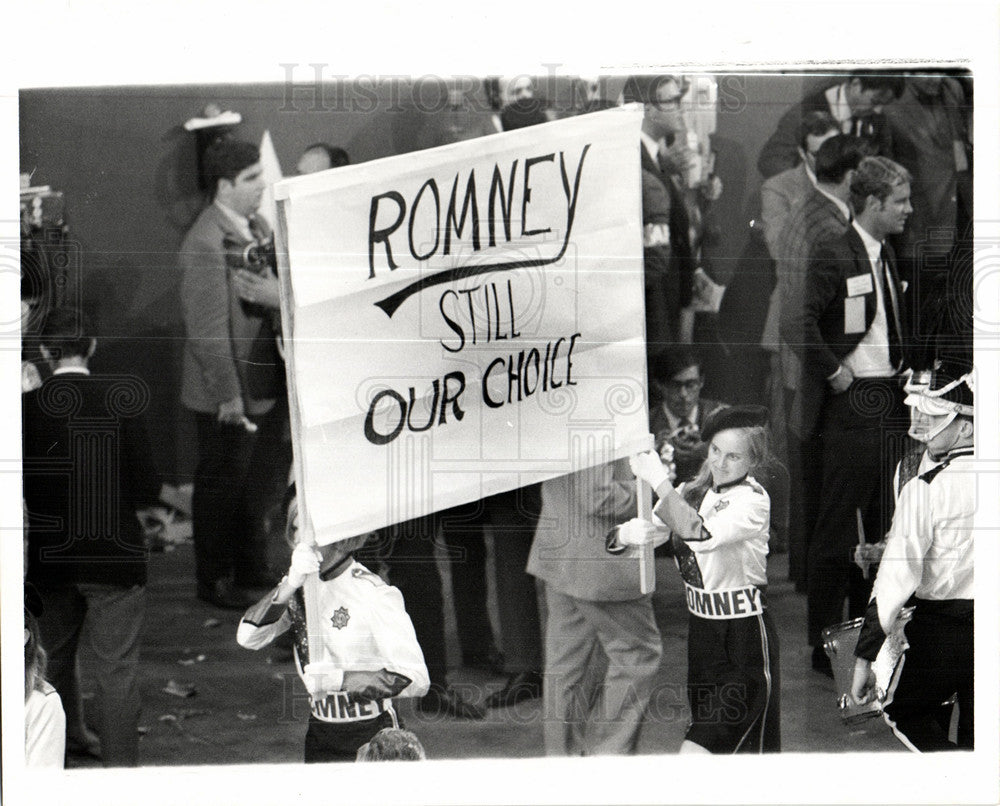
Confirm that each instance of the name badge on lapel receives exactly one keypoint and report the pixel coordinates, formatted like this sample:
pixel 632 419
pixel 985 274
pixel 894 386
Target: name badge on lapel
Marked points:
pixel 859 284
pixel 854 315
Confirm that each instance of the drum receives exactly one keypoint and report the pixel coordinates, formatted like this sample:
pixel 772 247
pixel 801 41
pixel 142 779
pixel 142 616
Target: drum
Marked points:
pixel 839 642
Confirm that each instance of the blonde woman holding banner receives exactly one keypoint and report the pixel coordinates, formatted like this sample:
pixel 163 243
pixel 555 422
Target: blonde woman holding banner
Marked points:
pixel 718 531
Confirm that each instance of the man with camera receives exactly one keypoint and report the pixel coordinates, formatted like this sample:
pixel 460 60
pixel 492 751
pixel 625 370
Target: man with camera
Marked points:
pixel 232 376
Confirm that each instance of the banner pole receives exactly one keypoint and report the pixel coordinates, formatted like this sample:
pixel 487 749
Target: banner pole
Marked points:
pixel 647 567
pixel 309 592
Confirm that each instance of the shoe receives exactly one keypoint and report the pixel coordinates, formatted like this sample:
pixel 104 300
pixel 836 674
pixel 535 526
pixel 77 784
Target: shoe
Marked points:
pixel 821 662
pixel 445 700
pixel 520 687
pixel 222 594
pixel 492 660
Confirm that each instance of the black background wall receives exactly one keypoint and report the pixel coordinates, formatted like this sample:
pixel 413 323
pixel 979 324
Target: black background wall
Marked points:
pixel 127 169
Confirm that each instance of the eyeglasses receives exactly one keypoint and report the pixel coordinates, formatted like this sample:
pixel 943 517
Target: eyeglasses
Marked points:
pixel 667 104
pixel 685 386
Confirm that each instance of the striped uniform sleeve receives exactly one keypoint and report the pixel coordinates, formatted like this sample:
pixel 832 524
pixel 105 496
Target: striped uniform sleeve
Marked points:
pixel 743 519
pixel 902 565
pixel 263 622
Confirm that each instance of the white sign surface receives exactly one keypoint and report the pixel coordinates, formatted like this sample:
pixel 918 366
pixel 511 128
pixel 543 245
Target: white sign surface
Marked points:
pixel 465 320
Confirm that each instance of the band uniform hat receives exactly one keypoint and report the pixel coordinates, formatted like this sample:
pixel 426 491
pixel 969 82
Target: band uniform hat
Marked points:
pixel 734 417
pixel 947 388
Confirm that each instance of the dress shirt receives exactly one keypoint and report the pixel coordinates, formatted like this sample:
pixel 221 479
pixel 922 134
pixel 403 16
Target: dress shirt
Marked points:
pixel 652 147
pixel 675 422
pixel 836 99
pixel 242 223
pixel 870 359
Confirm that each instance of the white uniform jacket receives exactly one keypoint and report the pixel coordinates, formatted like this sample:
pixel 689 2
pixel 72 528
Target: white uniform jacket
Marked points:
pixel 929 548
pixel 721 547
pixel 363 625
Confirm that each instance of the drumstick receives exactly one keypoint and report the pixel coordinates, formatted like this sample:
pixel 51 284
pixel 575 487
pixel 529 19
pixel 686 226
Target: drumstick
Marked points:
pixel 647 567
pixel 861 541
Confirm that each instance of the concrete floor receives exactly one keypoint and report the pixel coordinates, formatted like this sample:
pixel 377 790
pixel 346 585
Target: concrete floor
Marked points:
pixel 249 707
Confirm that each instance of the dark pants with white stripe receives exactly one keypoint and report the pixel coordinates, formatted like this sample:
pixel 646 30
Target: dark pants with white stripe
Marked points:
pixel 938 665
pixel 734 684
pixel 339 741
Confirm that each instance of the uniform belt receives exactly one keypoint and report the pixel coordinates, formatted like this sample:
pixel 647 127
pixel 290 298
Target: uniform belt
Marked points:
pixel 339 707
pixel 728 603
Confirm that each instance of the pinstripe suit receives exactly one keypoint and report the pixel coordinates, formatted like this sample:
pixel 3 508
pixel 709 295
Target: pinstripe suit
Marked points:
pixel 818 219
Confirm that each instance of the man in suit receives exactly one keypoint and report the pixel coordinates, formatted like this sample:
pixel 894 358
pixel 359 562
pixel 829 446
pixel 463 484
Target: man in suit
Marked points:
pixel 602 645
pixel 931 137
pixel 853 326
pixel 783 193
pixel 677 417
pixel 668 257
pixel 856 104
pixel 231 378
pixel 87 473
pixel 824 214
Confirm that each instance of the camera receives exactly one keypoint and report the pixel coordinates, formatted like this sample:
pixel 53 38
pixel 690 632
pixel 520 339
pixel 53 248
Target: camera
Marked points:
pixel 258 257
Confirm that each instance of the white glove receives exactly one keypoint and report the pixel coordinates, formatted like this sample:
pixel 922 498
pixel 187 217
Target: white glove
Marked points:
pixel 636 532
pixel 649 467
pixel 322 677
pixel 305 561
pixel 667 452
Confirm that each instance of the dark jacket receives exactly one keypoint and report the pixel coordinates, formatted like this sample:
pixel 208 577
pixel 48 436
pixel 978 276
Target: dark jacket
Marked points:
pixel 87 469
pixel 781 151
pixel 681 253
pixel 821 323
pixel 688 454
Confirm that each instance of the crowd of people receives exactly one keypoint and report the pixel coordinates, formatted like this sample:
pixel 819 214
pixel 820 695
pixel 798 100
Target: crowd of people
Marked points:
pixel 862 434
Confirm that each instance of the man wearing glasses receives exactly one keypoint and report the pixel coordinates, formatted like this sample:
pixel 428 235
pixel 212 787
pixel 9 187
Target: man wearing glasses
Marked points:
pixel 784 193
pixel 668 256
pixel 856 104
pixel 679 412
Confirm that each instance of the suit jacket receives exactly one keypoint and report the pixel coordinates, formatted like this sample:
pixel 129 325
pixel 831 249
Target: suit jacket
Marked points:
pixel 780 197
pixel 688 462
pixel 223 332
pixel 781 151
pixel 568 551
pixel 87 469
pixel 681 254
pixel 925 131
pixel 816 220
pixel 821 318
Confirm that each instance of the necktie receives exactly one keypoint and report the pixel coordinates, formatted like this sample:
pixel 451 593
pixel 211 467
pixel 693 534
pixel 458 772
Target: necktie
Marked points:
pixel 256 229
pixel 892 312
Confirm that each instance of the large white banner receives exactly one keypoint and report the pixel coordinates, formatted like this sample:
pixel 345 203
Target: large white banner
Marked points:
pixel 464 320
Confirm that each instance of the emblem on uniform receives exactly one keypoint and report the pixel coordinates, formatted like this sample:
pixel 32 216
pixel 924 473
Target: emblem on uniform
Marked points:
pixel 721 505
pixel 340 618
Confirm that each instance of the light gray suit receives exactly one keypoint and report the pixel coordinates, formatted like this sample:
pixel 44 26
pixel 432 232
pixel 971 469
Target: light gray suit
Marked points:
pixel 221 329
pixel 602 646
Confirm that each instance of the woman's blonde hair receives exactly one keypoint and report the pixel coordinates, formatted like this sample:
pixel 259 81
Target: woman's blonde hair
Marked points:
pixel 35 658
pixel 758 445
